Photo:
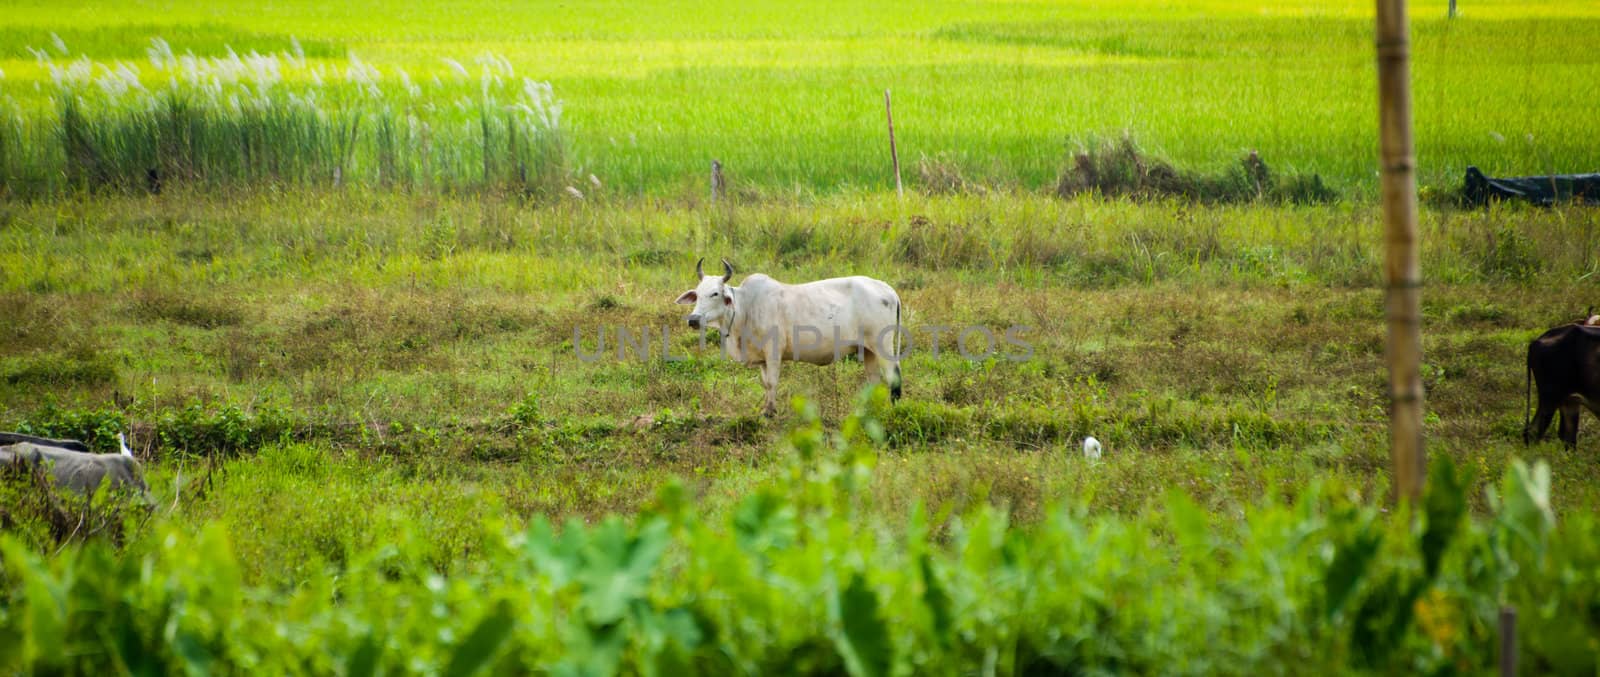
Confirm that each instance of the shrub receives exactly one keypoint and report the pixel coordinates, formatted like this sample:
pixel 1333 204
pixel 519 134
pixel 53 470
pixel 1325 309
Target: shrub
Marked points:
pixel 800 578
pixel 96 428
pixel 1120 169
pixel 1508 255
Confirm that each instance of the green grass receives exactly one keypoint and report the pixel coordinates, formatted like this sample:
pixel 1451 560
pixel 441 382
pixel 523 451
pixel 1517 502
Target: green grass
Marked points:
pixel 1226 350
pixel 342 335
pixel 791 98
pixel 803 575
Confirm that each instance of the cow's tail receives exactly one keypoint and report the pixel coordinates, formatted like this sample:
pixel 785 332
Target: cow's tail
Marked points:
pixel 1527 404
pixel 894 383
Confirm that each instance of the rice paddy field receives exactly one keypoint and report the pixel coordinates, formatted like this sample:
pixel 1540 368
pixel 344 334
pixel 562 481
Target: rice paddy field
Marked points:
pixel 791 98
pixel 341 276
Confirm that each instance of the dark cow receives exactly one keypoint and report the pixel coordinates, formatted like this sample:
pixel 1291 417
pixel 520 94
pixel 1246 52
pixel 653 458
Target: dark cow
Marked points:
pixel 1564 365
pixel 7 439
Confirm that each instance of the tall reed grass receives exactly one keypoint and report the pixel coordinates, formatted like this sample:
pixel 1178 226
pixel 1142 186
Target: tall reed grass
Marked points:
pixel 275 118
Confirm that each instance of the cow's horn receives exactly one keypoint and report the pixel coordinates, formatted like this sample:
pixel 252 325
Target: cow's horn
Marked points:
pixel 697 271
pixel 727 270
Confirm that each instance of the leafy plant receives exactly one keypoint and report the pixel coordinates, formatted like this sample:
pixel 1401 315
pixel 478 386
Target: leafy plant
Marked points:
pixel 803 576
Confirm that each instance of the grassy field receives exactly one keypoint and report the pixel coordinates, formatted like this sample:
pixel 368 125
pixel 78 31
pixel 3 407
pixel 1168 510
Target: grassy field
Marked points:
pixel 341 297
pixel 342 396
pixel 1228 351
pixel 791 99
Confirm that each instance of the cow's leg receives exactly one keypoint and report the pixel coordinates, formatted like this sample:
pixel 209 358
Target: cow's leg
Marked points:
pixel 1569 422
pixel 769 380
pixel 1541 421
pixel 891 371
pixel 884 369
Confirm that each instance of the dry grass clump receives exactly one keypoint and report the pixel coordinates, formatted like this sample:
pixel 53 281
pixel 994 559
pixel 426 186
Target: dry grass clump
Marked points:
pixel 367 329
pixel 193 311
pixel 941 174
pixel 940 244
pixel 1120 169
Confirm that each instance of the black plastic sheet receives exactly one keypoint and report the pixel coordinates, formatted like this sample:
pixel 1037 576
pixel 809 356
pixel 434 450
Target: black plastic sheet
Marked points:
pixel 1541 190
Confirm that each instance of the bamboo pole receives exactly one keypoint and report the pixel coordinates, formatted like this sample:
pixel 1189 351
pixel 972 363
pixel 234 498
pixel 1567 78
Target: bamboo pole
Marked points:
pixel 1402 268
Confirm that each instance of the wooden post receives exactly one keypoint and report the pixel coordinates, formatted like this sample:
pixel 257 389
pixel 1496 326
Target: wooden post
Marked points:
pixel 893 153
pixel 1402 268
pixel 1452 9
pixel 1508 642
pixel 717 185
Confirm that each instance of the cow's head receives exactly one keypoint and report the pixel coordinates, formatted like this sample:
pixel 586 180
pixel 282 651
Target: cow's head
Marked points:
pixel 712 298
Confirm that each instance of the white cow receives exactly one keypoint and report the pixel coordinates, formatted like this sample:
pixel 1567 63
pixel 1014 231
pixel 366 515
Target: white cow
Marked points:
pixel 764 322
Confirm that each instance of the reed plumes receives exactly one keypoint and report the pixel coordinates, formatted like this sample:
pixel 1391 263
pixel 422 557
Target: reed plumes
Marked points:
pixel 254 119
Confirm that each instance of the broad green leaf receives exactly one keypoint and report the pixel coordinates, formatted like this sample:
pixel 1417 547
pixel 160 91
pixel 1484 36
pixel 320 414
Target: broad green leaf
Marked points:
pixel 865 641
pixel 673 501
pixel 554 556
pixel 1384 620
pixel 1445 505
pixel 1350 565
pixel 938 601
pixel 1366 632
pixel 364 662
pixel 196 659
pixel 1192 528
pixel 479 648
pixel 46 601
pixel 764 521
pixel 594 651
pixel 1522 513
pixel 679 626
pixel 669 638
pixel 617 567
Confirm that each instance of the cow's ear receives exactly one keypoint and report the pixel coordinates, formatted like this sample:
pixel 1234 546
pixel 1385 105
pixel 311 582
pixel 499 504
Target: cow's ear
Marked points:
pixel 727 299
pixel 687 299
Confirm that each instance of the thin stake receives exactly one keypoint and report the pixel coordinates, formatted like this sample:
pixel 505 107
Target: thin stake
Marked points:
pixel 717 185
pixel 894 154
pixel 1508 642
pixel 1402 269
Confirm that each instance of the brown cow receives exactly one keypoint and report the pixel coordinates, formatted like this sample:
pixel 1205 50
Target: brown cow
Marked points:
pixel 1564 364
